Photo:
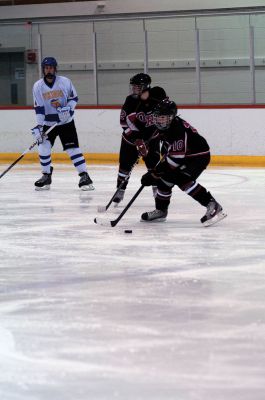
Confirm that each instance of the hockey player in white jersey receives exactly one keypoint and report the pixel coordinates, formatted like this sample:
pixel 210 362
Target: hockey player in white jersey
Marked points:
pixel 55 99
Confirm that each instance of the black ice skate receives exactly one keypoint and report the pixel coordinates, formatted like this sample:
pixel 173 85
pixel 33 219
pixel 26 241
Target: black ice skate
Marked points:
pixel 44 182
pixel 214 214
pixel 156 216
pixel 118 197
pixel 85 182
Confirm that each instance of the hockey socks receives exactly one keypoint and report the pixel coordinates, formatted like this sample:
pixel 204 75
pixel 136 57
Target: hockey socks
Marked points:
pixel 77 159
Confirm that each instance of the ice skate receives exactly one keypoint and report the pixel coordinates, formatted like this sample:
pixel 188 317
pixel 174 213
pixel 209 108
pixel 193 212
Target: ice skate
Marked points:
pixel 44 182
pixel 85 182
pixel 118 197
pixel 156 216
pixel 214 214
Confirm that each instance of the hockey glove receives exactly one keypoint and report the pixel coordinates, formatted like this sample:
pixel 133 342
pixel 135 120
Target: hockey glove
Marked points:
pixel 37 132
pixel 141 147
pixel 148 179
pixel 164 168
pixel 64 113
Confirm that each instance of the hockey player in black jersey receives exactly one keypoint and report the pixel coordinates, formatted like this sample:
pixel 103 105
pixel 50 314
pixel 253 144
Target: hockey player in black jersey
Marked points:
pixel 138 138
pixel 186 156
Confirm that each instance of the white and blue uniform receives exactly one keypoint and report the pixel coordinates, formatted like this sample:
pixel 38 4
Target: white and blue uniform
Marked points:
pixel 47 98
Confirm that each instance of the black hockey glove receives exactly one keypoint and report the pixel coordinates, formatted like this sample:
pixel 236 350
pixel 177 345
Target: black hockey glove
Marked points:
pixel 162 168
pixel 148 179
pixel 141 147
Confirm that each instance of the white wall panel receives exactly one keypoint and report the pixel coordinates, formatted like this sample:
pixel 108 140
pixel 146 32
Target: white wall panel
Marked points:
pixel 228 131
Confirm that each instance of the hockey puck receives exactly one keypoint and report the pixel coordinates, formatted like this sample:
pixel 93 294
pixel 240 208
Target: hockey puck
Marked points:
pixel 128 231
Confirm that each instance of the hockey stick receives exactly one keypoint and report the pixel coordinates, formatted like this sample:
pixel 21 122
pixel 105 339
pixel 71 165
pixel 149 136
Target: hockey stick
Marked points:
pixel 26 151
pixel 115 221
pixel 104 208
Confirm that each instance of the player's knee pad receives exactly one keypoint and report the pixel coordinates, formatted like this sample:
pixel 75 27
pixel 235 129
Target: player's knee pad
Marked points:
pixel 44 148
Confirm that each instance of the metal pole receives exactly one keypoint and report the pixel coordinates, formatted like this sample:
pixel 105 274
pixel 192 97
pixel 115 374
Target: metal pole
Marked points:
pixel 252 63
pixel 198 63
pixel 39 44
pixel 95 67
pixel 145 49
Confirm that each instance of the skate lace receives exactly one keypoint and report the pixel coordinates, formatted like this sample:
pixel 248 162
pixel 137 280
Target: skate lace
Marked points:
pixel 44 178
pixel 85 179
pixel 120 194
pixel 212 208
pixel 155 213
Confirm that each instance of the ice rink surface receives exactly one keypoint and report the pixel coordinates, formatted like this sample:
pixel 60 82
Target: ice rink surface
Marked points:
pixel 173 311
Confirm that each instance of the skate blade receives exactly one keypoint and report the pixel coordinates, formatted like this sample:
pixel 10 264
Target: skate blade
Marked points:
pixel 154 220
pixel 102 209
pixel 87 187
pixel 39 189
pixel 218 217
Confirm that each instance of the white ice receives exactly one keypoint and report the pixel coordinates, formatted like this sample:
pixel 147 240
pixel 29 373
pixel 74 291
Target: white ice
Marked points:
pixel 173 311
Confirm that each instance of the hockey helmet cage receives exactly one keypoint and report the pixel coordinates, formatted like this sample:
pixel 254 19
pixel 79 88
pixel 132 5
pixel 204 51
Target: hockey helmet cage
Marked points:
pixel 164 113
pixel 140 83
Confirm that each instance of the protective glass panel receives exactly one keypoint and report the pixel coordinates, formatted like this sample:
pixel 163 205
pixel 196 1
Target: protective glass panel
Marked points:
pixel 225 59
pixel 120 55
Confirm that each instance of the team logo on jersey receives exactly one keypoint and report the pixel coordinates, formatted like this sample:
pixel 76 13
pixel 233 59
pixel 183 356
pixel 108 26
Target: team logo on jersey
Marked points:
pixel 52 94
pixel 147 118
pixel 55 103
pixel 123 115
pixel 141 116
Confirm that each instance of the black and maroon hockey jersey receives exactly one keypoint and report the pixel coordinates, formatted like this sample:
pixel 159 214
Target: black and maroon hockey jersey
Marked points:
pixel 181 142
pixel 136 116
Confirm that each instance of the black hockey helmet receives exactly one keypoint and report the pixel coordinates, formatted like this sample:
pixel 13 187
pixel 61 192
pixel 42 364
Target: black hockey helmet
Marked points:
pixel 164 113
pixel 50 61
pixel 140 83
pixel 157 94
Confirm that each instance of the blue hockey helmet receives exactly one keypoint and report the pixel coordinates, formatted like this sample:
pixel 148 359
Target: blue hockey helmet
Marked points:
pixel 49 61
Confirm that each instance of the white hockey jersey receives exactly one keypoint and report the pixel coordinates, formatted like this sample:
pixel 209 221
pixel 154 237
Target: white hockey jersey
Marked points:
pixel 48 98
